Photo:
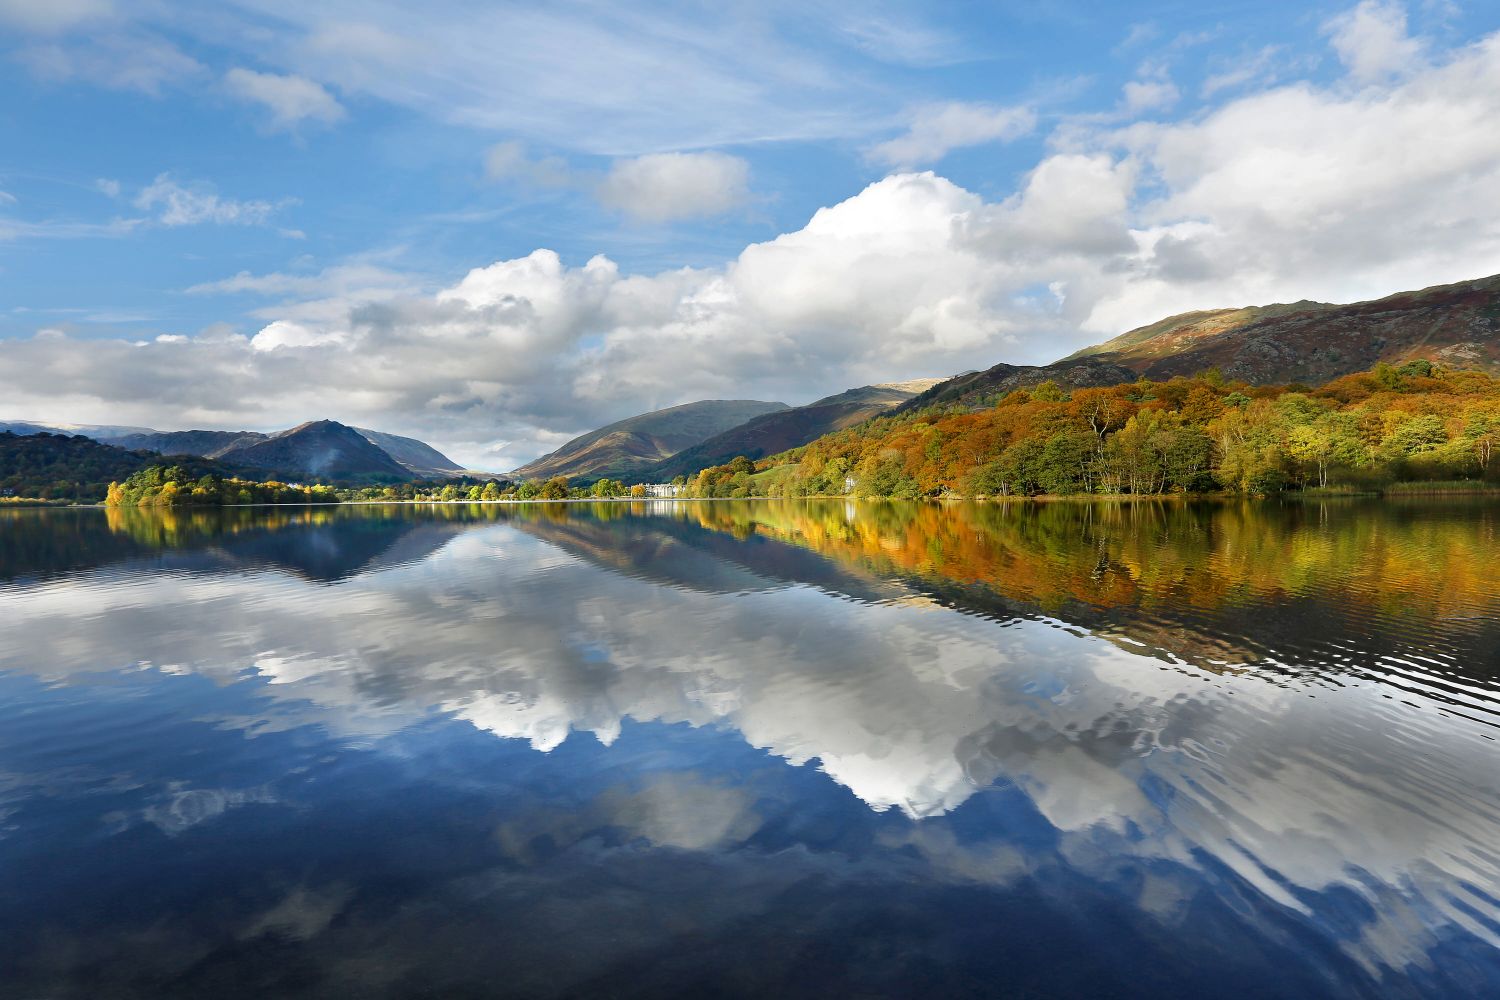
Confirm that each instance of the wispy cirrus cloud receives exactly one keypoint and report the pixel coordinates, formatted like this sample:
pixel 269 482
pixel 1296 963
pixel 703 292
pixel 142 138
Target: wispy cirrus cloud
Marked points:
pixel 53 16
pixel 122 59
pixel 174 203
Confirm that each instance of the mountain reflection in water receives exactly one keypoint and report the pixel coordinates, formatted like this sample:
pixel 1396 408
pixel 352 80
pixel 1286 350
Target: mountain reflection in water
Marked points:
pixel 1071 749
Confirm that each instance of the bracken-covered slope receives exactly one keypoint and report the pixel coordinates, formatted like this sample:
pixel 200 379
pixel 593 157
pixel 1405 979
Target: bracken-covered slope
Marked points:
pixel 622 449
pixel 772 433
pixel 324 449
pixel 1454 325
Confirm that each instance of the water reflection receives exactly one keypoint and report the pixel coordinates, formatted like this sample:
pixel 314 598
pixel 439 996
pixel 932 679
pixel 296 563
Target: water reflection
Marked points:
pixel 1173 739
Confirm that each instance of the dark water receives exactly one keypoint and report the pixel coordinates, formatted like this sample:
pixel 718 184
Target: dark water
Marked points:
pixel 759 749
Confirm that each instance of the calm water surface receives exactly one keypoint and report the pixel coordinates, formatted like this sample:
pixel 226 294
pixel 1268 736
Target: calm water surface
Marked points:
pixel 752 748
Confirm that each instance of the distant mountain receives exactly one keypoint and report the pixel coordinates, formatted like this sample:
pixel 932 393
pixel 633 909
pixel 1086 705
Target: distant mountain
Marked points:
pixel 1455 325
pixel 323 449
pixel 418 456
pixel 209 444
pixel 623 449
pixel 775 432
pixel 1309 342
pixel 99 432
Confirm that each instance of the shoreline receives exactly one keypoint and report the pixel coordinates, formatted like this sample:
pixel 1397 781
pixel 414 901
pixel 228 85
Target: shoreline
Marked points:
pixel 1041 498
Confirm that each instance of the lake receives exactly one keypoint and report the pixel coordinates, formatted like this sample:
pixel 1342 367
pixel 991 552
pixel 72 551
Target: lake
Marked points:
pixel 752 748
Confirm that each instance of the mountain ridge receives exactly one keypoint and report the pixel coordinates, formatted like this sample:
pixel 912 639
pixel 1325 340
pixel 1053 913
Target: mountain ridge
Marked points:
pixel 1456 324
pixel 323 448
pixel 417 458
pixel 623 448
pixel 771 433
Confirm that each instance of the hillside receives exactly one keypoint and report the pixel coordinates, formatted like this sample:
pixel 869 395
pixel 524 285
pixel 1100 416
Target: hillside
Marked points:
pixel 1456 325
pixel 1305 342
pixel 1413 423
pixel 324 449
pixel 60 466
pixel 973 389
pixel 417 456
pixel 772 433
pixel 624 448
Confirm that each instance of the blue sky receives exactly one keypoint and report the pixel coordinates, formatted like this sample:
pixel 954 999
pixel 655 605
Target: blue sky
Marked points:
pixel 251 214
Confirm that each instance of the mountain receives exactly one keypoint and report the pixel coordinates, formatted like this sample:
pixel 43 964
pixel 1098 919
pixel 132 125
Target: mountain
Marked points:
pixel 771 433
pixel 209 444
pixel 99 432
pixel 325 449
pixel 1457 326
pixel 417 456
pixel 624 448
pixel 1454 325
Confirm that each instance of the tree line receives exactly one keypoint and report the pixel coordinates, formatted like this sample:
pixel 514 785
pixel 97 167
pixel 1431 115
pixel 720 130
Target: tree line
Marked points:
pixel 174 486
pixel 1413 423
pixel 67 467
pixel 178 486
